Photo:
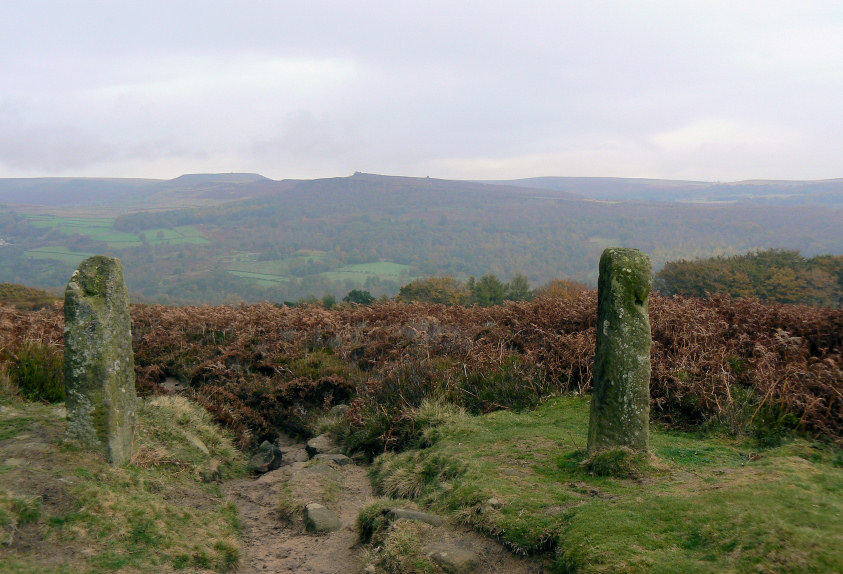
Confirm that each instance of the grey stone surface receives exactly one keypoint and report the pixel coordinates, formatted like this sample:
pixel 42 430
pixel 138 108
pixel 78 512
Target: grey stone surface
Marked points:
pixel 339 459
pixel 418 515
pixel 268 457
pixel 620 400
pixel 319 471
pixel 99 363
pixel 322 444
pixel 339 410
pixel 453 559
pixel 317 518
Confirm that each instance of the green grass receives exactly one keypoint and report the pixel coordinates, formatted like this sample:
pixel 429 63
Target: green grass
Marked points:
pixel 269 273
pixel 703 505
pixel 58 253
pixel 156 513
pixel 361 271
pixel 264 279
pixel 102 229
pixel 175 236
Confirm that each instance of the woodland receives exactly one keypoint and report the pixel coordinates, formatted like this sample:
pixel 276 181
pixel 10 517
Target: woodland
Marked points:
pixel 284 241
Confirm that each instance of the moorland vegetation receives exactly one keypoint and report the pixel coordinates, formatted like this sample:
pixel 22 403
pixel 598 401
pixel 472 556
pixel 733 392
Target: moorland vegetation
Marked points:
pixel 479 413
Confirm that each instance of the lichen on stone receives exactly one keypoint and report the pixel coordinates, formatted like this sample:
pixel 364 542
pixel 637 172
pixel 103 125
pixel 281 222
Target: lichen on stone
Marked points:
pixel 620 400
pixel 99 363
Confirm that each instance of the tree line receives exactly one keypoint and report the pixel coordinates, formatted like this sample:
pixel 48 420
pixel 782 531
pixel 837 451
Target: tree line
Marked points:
pixel 778 275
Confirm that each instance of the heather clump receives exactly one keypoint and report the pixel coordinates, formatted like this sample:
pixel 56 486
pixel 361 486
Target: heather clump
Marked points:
pixel 737 365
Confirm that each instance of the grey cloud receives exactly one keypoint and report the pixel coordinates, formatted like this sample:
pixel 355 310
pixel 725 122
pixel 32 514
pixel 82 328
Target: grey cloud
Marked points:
pixel 409 86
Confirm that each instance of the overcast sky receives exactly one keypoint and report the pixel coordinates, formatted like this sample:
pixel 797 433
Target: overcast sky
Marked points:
pixel 706 90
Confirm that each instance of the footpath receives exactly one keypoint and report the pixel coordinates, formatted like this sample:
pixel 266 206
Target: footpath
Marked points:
pixel 302 517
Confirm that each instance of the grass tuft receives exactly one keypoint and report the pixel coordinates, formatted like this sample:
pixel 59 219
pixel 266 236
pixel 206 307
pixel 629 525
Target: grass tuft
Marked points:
pixel 37 370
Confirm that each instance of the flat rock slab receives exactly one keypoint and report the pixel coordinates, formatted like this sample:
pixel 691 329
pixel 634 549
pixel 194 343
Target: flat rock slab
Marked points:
pixel 339 459
pixel 318 518
pixel 453 559
pixel 315 472
pixel 322 444
pixel 417 515
pixel 293 454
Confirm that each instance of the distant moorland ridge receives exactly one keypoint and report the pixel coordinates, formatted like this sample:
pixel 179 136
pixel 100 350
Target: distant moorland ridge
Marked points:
pixel 242 237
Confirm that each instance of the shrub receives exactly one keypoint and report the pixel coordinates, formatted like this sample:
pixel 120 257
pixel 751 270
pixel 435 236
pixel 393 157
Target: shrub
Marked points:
pixel 37 369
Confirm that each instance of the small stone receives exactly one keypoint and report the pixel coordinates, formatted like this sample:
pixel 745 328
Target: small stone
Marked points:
pixel 490 505
pixel 267 458
pixel 317 518
pixel 339 459
pixel 339 410
pixel 452 559
pixel 322 444
pixel 417 515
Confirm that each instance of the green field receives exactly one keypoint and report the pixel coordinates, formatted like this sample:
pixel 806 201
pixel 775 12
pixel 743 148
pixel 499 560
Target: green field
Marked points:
pixel 58 253
pixel 274 268
pixel 359 272
pixel 263 279
pixel 269 273
pixel 102 229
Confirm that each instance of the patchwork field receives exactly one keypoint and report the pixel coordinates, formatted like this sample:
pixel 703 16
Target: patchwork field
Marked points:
pixel 359 272
pixel 102 229
pixel 58 253
pixel 268 273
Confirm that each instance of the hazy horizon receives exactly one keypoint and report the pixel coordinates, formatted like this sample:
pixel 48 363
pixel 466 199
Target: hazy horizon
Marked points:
pixel 705 91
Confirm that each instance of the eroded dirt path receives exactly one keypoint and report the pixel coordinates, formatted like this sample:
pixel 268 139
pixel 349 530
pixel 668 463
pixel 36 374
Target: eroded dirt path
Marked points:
pixel 271 544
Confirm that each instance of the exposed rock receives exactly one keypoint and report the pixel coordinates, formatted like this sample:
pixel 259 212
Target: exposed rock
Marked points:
pixel 317 471
pixel 322 444
pixel 339 459
pixel 267 458
pixel 490 505
pixel 317 518
pixel 99 363
pixel 620 401
pixel 293 454
pixel 418 515
pixel 339 410
pixel 452 558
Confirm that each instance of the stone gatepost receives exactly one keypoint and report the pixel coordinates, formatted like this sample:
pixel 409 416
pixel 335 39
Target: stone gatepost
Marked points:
pixel 99 367
pixel 620 400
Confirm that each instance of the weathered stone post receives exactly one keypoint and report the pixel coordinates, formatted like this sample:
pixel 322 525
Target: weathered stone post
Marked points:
pixel 99 367
pixel 620 400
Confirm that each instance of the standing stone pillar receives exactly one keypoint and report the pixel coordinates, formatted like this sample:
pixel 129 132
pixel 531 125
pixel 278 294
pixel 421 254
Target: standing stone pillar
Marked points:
pixel 99 367
pixel 620 400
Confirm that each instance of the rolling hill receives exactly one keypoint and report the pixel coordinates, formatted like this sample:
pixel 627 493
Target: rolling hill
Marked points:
pixel 233 237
